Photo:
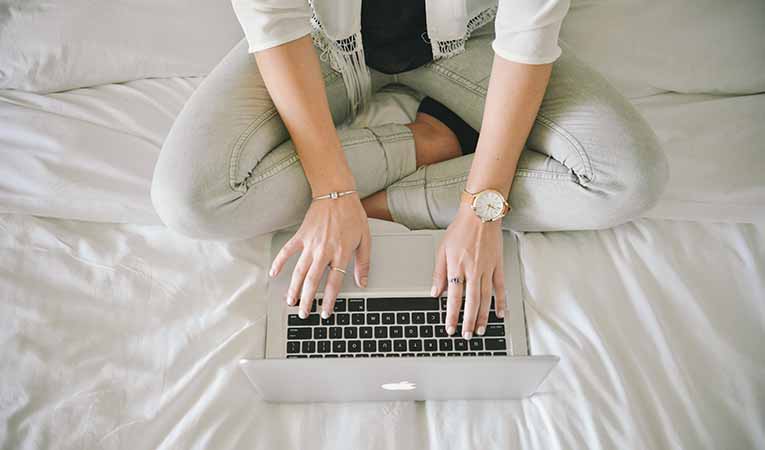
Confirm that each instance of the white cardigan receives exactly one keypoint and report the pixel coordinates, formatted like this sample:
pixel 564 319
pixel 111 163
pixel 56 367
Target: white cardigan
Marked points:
pixel 526 30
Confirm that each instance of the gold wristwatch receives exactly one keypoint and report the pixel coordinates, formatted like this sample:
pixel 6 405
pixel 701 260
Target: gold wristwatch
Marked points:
pixel 489 205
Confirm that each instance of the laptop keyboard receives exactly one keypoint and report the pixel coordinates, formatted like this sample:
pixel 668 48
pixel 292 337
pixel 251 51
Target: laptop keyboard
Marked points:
pixel 389 327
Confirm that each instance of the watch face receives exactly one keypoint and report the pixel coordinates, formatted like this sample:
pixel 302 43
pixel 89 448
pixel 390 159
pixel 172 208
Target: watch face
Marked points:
pixel 488 205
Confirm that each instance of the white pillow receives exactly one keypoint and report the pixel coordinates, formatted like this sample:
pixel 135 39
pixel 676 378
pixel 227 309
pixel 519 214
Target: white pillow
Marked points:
pixel 55 45
pixel 690 46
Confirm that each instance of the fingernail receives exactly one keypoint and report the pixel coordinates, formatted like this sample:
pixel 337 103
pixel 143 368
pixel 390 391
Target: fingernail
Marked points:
pixel 481 330
pixel 501 314
pixel 450 330
pixel 324 315
pixel 364 282
pixel 433 291
pixel 302 314
pixel 271 272
pixel 288 300
pixel 467 335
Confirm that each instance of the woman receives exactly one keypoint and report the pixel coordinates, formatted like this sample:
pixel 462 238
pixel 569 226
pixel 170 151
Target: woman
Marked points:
pixel 255 149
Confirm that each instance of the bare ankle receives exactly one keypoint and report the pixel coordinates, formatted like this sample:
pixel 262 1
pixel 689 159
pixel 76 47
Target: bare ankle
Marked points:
pixel 433 140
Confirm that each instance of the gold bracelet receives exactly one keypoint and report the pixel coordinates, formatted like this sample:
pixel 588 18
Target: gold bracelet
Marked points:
pixel 334 195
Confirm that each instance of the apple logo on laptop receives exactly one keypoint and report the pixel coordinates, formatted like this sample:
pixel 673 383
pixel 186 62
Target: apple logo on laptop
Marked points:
pixel 400 386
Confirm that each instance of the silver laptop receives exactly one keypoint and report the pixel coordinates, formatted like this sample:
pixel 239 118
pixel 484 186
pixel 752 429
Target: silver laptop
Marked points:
pixel 388 341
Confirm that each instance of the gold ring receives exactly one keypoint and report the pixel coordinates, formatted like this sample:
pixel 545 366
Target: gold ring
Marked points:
pixel 338 269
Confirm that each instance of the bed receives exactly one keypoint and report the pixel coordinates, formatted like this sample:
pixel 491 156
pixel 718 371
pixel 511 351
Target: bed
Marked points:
pixel 116 333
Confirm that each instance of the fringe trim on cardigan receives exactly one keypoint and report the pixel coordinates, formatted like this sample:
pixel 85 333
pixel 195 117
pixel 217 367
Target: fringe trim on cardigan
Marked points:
pixel 452 47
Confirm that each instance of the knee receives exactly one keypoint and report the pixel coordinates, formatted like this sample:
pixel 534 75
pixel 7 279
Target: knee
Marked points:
pixel 180 205
pixel 638 178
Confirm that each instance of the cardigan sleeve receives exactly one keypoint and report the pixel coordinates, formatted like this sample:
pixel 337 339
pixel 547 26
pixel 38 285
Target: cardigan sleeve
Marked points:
pixel 268 23
pixel 527 30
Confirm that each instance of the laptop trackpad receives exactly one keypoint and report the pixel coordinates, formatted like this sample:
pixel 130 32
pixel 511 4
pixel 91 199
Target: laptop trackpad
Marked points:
pixel 399 261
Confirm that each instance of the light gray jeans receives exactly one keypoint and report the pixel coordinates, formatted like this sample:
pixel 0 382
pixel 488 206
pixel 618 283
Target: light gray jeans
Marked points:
pixel 228 169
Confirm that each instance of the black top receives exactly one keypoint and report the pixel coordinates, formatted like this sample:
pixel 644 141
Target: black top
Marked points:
pixel 393 34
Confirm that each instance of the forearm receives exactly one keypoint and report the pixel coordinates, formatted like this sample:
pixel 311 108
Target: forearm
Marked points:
pixel 512 102
pixel 293 78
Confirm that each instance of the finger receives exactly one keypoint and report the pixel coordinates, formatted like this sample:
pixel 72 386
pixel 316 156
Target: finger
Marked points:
pixel 499 291
pixel 472 301
pixel 361 268
pixel 298 275
pixel 334 282
pixel 439 274
pixel 454 297
pixel 483 310
pixel 311 284
pixel 290 248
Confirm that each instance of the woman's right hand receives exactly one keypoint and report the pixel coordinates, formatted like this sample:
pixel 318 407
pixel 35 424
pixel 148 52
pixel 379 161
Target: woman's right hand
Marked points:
pixel 332 230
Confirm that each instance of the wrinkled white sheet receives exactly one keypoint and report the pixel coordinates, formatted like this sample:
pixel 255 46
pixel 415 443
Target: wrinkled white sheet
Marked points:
pixel 128 337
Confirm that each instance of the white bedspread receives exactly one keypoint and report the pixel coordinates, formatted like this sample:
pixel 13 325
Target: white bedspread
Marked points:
pixel 128 337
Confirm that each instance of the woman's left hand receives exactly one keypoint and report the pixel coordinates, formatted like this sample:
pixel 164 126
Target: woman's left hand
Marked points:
pixel 471 251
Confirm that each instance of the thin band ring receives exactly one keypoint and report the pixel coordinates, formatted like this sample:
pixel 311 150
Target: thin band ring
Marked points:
pixel 455 280
pixel 338 269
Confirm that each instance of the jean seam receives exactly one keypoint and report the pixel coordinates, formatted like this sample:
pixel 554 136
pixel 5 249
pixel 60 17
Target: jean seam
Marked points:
pixel 542 119
pixel 252 127
pixel 545 121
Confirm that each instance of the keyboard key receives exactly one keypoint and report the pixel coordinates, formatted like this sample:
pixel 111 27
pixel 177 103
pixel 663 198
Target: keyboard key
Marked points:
pixel 355 304
pixel 399 345
pixel 293 320
pixel 402 304
pixel 297 356
pixel 370 346
pixel 484 353
pixel 426 331
pixel 496 344
pixel 313 306
pixel 293 347
pixel 354 346
pixel 396 332
pixel 350 332
pixel 445 345
pixel 340 305
pixel 431 345
pixel 438 354
pixel 320 333
pixel 415 345
pixel 392 355
pixel 365 332
pixel 357 318
pixel 388 318
pixel 384 345
pixel 441 331
pixel 338 346
pixel 324 346
pixel 361 355
pixel 381 332
pixel 309 346
pixel 418 317
pixel 460 344
pixel 476 344
pixel 315 356
pixel 298 333
pixel 494 319
pixel 443 303
pixel 434 317
pixel 377 355
pixel 420 355
pixel 343 318
pixel 407 354
pixel 335 332
pixel 410 331
pixel 494 329
pixel 492 307
pixel 468 354
pixel 330 356
pixel 329 320
pixel 373 318
pixel 346 355
pixel 499 353
pixel 402 318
